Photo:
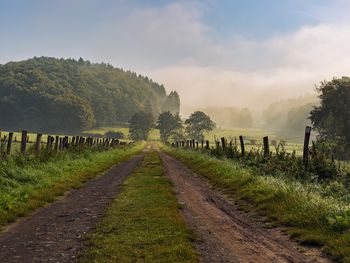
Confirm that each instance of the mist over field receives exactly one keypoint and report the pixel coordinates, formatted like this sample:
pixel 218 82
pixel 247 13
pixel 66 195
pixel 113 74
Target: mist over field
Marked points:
pixel 213 53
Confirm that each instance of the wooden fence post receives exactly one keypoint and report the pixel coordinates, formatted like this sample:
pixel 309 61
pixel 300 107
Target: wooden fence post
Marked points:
pixel 217 145
pixel 57 139
pixel 38 143
pixel 9 143
pixel 48 142
pixel 242 145
pixel 223 143
pixel 266 146
pixel 24 141
pixel 306 145
pixel 66 142
pixel 60 144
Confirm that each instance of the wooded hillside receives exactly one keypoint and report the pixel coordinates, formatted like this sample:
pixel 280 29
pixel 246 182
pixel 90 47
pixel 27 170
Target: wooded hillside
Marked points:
pixel 65 95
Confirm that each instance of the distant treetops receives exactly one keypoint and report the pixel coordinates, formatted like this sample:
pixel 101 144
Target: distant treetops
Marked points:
pixel 69 96
pixel 170 126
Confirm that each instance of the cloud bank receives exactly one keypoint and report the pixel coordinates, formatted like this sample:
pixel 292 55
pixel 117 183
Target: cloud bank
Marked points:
pixel 177 46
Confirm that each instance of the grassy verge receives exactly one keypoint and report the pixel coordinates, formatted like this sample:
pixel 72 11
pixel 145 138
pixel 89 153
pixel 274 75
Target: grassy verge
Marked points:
pixel 28 184
pixel 143 223
pixel 309 217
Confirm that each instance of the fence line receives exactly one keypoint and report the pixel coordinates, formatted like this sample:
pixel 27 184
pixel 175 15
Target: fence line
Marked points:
pixel 222 144
pixel 57 143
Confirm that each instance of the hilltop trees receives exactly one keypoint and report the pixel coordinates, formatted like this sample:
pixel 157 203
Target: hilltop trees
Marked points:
pixel 331 118
pixel 197 124
pixel 172 103
pixel 168 125
pixel 141 124
pixel 64 95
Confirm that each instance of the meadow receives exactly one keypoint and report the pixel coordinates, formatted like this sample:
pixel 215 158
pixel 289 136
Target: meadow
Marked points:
pixel 28 182
pixel 229 134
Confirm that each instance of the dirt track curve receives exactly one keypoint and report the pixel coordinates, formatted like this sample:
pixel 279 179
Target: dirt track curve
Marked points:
pixel 54 233
pixel 225 233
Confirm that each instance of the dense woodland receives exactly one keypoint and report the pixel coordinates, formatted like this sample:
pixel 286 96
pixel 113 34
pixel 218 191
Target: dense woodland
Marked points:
pixel 66 95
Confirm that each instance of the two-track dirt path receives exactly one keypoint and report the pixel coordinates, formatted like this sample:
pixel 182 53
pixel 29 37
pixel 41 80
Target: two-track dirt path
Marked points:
pixel 55 233
pixel 225 233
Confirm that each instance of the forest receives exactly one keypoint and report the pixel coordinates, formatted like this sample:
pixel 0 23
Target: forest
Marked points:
pixel 46 94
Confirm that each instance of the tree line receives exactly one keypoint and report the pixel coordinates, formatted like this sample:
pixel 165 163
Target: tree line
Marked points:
pixel 170 125
pixel 68 96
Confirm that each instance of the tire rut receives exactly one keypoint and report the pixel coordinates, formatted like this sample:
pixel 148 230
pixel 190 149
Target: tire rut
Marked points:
pixel 55 233
pixel 225 233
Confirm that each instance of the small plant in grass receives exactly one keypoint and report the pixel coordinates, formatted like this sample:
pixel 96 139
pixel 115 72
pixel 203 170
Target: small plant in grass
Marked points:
pixel 115 134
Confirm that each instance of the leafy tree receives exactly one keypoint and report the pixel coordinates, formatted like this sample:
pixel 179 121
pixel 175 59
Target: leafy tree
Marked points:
pixel 331 118
pixel 141 124
pixel 197 124
pixel 168 124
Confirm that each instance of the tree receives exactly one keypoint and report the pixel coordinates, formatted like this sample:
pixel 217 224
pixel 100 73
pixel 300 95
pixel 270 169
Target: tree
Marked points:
pixel 331 118
pixel 141 124
pixel 168 124
pixel 197 124
pixel 172 103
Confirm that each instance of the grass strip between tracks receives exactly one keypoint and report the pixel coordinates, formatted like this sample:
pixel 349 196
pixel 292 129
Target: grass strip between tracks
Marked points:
pixel 309 217
pixel 27 186
pixel 143 223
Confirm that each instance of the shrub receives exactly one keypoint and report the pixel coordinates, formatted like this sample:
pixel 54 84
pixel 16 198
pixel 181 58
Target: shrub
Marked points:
pixel 115 134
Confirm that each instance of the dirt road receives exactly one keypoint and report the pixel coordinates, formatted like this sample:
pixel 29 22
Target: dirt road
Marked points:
pixel 225 233
pixel 54 233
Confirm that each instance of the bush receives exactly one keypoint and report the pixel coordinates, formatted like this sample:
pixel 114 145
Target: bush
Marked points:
pixel 115 134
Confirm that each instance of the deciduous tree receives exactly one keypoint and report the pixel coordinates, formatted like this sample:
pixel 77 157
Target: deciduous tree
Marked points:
pixel 197 124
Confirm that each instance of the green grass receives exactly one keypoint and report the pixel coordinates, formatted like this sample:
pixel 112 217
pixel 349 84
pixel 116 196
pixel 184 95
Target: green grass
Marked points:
pixel 307 215
pixel 27 184
pixel 143 223
pixel 153 136
pixel 252 133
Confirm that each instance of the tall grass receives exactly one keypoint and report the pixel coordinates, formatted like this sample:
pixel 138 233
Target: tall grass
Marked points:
pixel 28 182
pixel 311 212
pixel 143 223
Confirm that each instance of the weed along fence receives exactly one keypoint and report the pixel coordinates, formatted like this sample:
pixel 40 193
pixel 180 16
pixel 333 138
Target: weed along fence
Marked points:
pixel 224 146
pixel 315 163
pixel 10 143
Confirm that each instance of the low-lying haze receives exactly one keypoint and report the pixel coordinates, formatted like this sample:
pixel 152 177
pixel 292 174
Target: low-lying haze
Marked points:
pixel 227 53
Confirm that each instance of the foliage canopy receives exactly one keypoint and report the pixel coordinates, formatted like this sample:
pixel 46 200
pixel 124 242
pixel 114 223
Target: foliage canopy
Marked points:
pixel 197 124
pixel 331 118
pixel 64 95
pixel 141 124
pixel 168 124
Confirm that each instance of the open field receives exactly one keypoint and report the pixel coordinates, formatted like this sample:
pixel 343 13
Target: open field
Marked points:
pixel 310 213
pixel 153 136
pixel 230 134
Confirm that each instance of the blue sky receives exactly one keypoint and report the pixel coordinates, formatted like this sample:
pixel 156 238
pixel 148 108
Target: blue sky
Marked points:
pixel 192 46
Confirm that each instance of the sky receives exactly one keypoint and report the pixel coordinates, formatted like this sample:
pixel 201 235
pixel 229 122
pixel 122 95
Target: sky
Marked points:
pixel 213 52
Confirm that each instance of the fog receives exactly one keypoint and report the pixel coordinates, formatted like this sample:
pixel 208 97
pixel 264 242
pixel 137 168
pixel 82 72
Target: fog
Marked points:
pixel 180 44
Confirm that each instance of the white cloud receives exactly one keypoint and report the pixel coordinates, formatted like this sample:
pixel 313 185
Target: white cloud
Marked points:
pixel 245 72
